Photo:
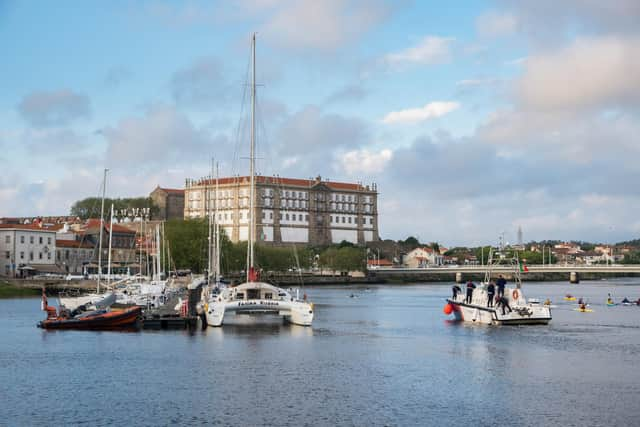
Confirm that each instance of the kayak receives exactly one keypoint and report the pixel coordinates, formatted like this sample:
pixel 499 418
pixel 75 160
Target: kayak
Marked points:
pixel 611 304
pixel 583 310
pixel 569 298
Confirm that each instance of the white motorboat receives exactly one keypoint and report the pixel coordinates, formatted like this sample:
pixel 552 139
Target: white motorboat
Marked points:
pixel 520 311
pixel 254 296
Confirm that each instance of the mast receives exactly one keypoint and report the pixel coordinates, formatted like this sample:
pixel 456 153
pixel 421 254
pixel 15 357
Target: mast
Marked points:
pixel 109 257
pixel 104 190
pixel 252 161
pixel 210 238
pixel 217 228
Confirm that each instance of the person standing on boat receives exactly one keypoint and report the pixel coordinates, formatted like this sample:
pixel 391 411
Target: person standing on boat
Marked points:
pixel 502 302
pixel 455 289
pixel 501 283
pixel 491 291
pixel 470 287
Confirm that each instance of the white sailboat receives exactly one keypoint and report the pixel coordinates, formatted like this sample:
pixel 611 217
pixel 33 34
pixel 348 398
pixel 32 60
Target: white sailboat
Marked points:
pixel 254 296
pixel 520 310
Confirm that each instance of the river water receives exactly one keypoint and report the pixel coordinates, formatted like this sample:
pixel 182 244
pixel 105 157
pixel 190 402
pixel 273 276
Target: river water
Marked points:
pixel 386 356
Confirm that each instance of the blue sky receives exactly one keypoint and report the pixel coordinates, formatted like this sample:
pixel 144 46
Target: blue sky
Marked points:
pixel 474 117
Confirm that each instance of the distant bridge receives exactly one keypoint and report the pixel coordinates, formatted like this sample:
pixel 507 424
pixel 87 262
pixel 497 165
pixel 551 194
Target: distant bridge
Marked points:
pixel 535 272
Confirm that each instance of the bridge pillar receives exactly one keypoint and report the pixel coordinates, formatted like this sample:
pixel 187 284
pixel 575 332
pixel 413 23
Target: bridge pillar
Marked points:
pixel 574 277
pixel 459 277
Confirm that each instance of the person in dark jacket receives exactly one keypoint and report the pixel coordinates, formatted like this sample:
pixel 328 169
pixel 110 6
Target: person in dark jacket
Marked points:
pixel 491 291
pixel 455 289
pixel 501 283
pixel 502 302
pixel 470 287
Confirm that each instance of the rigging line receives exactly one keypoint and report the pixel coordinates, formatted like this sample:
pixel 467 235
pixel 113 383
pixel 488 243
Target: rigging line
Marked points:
pixel 241 119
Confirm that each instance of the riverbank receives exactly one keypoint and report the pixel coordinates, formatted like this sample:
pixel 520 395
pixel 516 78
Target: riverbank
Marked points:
pixel 11 291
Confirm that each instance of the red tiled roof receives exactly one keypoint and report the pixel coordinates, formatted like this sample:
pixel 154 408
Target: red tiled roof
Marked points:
pixel 307 183
pixel 26 227
pixel 95 223
pixel 73 244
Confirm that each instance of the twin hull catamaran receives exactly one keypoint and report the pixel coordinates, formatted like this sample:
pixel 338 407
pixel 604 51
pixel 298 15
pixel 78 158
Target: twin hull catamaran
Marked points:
pixel 254 296
pixel 522 312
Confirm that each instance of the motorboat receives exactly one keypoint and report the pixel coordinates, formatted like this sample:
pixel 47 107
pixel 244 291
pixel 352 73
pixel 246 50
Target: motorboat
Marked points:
pixel 98 319
pixel 254 296
pixel 517 311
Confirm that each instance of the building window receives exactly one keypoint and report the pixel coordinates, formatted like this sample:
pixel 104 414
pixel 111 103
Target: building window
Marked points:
pixel 280 216
pixel 264 215
pixel 31 239
pixel 66 254
pixel 30 256
pixel 307 218
pixel 371 221
pixel 343 197
pixel 40 240
pixel 21 239
pixel 287 217
pixel 48 255
pixel 39 255
pixel 21 255
pixel 7 239
pixel 270 215
pixel 300 217
pixel 349 220
pixel 8 255
pixel 48 240
pixel 343 220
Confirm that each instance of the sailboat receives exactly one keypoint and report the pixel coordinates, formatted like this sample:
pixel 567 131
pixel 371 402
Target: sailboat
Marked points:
pixel 254 296
pixel 96 299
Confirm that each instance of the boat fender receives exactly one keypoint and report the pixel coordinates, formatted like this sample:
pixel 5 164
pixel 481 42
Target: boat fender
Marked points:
pixel 515 294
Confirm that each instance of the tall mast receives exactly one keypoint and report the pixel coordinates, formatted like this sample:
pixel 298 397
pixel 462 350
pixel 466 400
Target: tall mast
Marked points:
pixel 217 228
pixel 252 157
pixel 109 255
pixel 104 190
pixel 210 238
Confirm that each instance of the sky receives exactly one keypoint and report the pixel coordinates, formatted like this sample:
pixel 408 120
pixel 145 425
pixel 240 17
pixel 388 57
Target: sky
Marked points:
pixel 474 118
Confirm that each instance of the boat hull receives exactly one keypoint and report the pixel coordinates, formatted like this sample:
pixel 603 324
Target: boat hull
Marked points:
pixel 529 314
pixel 112 320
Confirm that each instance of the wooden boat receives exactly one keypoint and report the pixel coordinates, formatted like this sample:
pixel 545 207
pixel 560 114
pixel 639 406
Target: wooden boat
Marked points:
pixel 102 320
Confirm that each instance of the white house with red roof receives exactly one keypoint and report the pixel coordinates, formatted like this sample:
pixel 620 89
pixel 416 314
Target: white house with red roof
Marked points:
pixel 422 257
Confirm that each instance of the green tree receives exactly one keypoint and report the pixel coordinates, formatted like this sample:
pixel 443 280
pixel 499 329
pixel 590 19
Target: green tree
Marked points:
pixel 90 207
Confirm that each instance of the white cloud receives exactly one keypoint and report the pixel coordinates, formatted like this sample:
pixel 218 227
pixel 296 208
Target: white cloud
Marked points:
pixel 364 161
pixel 589 73
pixel 415 115
pixel 496 24
pixel 430 50
pixel 325 25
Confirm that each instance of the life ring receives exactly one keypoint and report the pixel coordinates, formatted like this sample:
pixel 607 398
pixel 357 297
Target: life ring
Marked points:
pixel 515 294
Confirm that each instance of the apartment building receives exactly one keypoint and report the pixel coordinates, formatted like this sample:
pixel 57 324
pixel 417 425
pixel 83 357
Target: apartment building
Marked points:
pixel 26 249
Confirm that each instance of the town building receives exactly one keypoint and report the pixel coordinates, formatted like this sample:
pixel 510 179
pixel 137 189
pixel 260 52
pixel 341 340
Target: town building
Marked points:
pixel 26 249
pixel 123 245
pixel 74 256
pixel 422 257
pixel 169 201
pixel 288 210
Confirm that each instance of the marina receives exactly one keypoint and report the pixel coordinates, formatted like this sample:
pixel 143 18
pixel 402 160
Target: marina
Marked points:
pixel 387 356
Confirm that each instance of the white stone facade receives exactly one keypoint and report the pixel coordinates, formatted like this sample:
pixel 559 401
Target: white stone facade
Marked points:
pixel 22 245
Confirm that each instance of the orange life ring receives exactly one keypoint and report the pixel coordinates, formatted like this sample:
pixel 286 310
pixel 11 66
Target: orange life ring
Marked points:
pixel 515 294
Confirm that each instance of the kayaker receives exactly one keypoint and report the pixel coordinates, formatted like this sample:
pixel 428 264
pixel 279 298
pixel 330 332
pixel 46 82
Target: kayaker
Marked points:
pixel 580 301
pixel 547 302
pixel 609 299
pixel 583 306
pixel 455 289
pixel 491 291
pixel 470 287
pixel 502 302
pixel 501 283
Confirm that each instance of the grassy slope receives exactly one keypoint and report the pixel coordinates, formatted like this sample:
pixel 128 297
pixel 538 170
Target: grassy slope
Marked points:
pixel 10 291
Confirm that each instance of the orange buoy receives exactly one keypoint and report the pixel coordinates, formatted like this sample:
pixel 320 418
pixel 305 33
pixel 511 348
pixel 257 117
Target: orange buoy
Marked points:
pixel 448 309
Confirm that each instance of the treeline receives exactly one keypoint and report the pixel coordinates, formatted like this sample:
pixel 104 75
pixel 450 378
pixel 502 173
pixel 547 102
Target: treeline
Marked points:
pixel 90 207
pixel 188 246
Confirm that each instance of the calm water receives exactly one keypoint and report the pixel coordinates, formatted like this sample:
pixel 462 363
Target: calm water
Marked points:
pixel 386 357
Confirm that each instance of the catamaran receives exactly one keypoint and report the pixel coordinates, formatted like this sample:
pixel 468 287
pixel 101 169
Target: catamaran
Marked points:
pixel 254 296
pixel 520 310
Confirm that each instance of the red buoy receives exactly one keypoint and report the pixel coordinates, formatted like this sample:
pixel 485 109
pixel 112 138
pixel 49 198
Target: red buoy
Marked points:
pixel 448 309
